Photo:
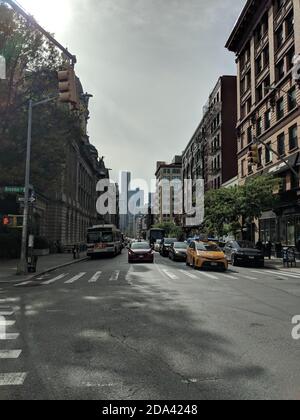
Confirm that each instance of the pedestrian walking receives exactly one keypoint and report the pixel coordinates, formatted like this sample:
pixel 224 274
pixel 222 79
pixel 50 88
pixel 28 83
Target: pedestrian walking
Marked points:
pixel 269 247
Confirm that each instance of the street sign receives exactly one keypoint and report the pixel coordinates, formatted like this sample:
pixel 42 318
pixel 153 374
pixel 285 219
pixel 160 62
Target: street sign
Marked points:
pixel 30 200
pixel 14 190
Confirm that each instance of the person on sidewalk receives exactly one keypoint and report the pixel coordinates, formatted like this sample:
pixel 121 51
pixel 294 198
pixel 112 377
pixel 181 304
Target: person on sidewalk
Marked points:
pixel 269 247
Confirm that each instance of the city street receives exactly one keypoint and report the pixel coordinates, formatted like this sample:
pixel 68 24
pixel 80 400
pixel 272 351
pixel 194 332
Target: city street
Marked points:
pixel 106 330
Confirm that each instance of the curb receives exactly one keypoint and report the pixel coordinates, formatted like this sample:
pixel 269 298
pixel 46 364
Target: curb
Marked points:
pixel 50 270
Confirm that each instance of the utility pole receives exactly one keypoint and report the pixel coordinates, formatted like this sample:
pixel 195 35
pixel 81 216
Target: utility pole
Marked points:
pixel 22 267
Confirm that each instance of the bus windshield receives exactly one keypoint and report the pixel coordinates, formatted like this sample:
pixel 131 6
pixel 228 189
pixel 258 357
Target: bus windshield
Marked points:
pixel 100 237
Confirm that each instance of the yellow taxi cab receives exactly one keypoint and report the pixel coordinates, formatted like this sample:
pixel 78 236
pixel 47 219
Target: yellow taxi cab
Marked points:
pixel 206 255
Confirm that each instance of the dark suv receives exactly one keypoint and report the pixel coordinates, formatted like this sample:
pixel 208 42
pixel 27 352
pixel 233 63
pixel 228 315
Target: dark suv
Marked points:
pixel 166 245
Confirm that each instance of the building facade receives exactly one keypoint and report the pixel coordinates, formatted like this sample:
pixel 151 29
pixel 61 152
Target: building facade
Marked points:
pixel 211 152
pixel 266 39
pixel 165 197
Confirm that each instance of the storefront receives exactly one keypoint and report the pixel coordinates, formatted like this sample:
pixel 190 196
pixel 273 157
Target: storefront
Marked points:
pixel 283 229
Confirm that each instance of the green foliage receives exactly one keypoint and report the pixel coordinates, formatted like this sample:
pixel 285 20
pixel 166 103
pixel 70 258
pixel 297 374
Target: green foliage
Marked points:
pixel 172 230
pixel 227 209
pixel 32 63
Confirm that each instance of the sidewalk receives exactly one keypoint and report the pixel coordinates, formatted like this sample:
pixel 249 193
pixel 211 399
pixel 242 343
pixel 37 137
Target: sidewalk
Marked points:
pixel 277 263
pixel 45 264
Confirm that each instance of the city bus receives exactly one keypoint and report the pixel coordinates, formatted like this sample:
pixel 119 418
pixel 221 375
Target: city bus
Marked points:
pixel 104 240
pixel 155 234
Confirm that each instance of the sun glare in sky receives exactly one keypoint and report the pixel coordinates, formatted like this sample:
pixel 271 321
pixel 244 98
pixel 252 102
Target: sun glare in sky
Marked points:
pixel 53 15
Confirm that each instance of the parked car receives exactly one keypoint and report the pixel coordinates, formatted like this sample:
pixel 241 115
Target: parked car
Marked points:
pixel 140 252
pixel 165 246
pixel 157 245
pixel 244 252
pixel 178 251
pixel 206 255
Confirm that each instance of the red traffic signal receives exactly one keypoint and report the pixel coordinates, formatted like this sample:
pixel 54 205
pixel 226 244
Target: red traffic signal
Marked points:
pixel 6 221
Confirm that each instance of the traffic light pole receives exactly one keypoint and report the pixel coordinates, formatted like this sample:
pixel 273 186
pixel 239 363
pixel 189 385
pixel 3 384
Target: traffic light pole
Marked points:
pixel 281 158
pixel 22 267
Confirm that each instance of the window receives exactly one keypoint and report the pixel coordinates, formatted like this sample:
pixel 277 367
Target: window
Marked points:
pixel 280 108
pixel 259 93
pixel 279 36
pixel 290 24
pixel 280 144
pixel 280 70
pixel 268 153
pixel 292 98
pixel 266 56
pixel 293 137
pixel 259 65
pixel 260 151
pixel 249 135
pixel 268 116
pixel 243 162
pixel 259 127
pixel 290 58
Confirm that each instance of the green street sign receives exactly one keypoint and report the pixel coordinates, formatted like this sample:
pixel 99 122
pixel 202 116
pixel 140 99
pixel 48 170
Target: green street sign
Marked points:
pixel 14 190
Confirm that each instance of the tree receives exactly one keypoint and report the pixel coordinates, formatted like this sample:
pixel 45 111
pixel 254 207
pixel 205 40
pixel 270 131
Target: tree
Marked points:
pixel 172 230
pixel 228 209
pixel 32 63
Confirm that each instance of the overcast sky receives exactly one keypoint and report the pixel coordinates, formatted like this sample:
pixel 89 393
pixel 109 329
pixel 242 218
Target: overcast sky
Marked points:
pixel 150 65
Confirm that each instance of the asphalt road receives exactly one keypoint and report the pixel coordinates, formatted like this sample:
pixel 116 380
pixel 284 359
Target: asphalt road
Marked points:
pixel 106 330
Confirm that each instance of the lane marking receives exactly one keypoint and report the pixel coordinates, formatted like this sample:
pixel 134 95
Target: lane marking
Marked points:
pixel 186 273
pixel 170 275
pixel 24 283
pixel 6 313
pixel 10 354
pixel 249 277
pixel 45 283
pixel 282 274
pixel 229 276
pixel 75 278
pixel 12 379
pixel 115 276
pixel 5 323
pixel 9 336
pixel 95 277
pixel 209 275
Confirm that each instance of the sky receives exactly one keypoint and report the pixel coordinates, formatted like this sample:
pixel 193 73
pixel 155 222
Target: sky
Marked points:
pixel 150 65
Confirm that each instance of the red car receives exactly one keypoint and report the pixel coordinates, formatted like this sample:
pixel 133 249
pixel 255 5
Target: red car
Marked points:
pixel 140 252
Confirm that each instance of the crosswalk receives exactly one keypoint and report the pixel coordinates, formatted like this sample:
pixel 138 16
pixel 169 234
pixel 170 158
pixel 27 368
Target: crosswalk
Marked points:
pixel 171 273
pixel 10 351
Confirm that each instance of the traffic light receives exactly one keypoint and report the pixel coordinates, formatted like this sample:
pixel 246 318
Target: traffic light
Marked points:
pixel 6 221
pixel 67 87
pixel 253 155
pixel 296 69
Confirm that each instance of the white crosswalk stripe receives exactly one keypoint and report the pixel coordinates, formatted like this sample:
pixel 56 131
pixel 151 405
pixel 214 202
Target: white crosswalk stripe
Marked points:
pixel 277 273
pixel 6 313
pixel 229 276
pixel 12 379
pixel 6 323
pixel 188 274
pixel 51 281
pixel 75 278
pixel 9 336
pixel 115 276
pixel 170 275
pixel 249 277
pixel 24 283
pixel 10 354
pixel 209 275
pixel 95 277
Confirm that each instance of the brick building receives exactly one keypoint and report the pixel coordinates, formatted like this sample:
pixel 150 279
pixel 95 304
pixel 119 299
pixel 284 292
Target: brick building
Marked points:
pixel 265 40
